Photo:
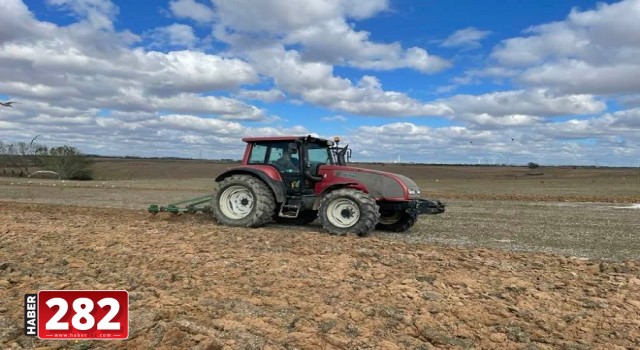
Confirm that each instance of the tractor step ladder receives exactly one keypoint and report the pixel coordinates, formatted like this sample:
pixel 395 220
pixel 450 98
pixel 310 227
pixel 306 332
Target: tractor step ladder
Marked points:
pixel 289 210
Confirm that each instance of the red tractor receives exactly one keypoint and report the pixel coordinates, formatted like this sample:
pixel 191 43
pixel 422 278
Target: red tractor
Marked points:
pixel 296 179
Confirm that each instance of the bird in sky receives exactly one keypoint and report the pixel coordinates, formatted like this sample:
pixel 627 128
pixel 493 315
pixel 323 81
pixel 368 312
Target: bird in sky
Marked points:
pixel 8 104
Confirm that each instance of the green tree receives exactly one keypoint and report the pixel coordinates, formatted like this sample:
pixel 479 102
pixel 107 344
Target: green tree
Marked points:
pixel 68 162
pixel 533 165
pixel 22 155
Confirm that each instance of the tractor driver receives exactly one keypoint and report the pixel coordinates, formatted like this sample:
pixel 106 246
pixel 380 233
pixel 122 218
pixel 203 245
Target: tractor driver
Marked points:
pixel 286 162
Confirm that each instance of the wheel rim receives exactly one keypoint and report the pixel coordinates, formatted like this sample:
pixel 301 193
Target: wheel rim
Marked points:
pixel 343 213
pixel 236 202
pixel 389 218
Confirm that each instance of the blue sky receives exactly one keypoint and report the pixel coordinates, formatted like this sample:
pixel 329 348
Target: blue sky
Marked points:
pixel 553 82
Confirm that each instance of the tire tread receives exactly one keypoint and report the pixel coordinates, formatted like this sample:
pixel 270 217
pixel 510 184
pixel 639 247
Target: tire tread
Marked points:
pixel 264 202
pixel 369 212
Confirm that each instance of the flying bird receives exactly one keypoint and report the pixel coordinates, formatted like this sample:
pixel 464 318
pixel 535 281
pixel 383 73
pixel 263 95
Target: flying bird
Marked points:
pixel 8 104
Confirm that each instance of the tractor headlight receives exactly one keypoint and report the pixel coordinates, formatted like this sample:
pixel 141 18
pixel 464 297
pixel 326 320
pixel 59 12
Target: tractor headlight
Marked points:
pixel 413 191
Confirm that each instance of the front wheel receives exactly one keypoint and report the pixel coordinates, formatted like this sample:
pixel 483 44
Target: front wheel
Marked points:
pixel 348 210
pixel 396 221
pixel 243 200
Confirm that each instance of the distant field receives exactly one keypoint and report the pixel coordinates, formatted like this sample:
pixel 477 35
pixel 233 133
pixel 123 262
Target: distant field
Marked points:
pixel 449 182
pixel 583 211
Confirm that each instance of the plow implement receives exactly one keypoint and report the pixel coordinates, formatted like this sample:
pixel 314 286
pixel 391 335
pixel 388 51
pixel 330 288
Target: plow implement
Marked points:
pixel 193 205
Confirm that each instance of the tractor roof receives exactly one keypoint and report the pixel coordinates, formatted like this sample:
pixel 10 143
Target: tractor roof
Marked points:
pixel 272 138
pixel 285 138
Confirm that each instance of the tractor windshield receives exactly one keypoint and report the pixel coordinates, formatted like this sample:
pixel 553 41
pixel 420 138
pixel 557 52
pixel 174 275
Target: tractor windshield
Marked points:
pixel 319 154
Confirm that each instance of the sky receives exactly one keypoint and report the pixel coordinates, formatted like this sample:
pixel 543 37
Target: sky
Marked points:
pixel 465 81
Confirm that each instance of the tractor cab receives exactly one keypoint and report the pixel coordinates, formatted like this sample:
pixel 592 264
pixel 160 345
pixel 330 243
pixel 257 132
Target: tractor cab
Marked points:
pixel 297 159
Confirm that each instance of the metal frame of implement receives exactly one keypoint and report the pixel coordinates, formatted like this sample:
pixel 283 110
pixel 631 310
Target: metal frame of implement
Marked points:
pixel 191 206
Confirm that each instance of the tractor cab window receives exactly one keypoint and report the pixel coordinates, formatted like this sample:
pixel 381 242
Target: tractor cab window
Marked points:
pixel 318 154
pixel 258 154
pixel 284 155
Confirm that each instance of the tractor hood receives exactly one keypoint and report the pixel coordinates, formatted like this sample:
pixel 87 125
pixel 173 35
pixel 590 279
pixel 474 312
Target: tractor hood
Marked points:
pixel 379 184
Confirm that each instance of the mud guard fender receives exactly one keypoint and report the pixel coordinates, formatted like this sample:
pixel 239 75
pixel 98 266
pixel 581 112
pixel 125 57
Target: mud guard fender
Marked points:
pixel 338 186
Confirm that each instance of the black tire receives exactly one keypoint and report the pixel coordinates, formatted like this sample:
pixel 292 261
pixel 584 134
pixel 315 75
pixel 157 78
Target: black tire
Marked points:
pixel 243 200
pixel 396 221
pixel 348 210
pixel 304 218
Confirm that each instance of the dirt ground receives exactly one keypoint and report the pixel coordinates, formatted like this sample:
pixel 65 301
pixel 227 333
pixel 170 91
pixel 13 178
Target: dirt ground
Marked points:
pixel 489 213
pixel 195 284
pixel 520 260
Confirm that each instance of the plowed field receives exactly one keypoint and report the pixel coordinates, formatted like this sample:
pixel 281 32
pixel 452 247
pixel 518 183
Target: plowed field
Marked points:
pixel 504 268
pixel 194 284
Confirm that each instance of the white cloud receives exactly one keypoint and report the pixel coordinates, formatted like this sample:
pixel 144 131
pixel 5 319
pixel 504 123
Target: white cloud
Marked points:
pixel 18 23
pixel 262 31
pixel 193 71
pixel 95 86
pixel 466 38
pixel 175 35
pixel 592 51
pixel 336 42
pixel 518 108
pixel 573 76
pixel 84 67
pixel 536 102
pixel 147 134
pixel 625 121
pixel 489 121
pixel 623 124
pixel 98 13
pixel 315 83
pixel 225 108
pixel 630 100
pixel 192 10
pixel 280 17
pixel 273 95
pixel 320 27
pixel 613 139
pixel 335 118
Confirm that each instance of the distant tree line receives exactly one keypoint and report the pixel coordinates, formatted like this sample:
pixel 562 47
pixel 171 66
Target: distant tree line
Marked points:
pixel 24 158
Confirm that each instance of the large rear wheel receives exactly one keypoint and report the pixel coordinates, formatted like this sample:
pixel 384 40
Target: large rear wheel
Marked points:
pixel 243 200
pixel 348 210
pixel 396 221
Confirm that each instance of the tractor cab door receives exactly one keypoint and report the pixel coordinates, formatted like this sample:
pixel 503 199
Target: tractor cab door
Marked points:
pixel 284 156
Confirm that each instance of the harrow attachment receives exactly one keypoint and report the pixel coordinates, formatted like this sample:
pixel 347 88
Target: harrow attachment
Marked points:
pixel 191 206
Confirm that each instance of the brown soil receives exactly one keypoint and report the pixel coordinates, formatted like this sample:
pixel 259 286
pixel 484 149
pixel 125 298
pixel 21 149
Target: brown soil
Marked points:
pixel 194 284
